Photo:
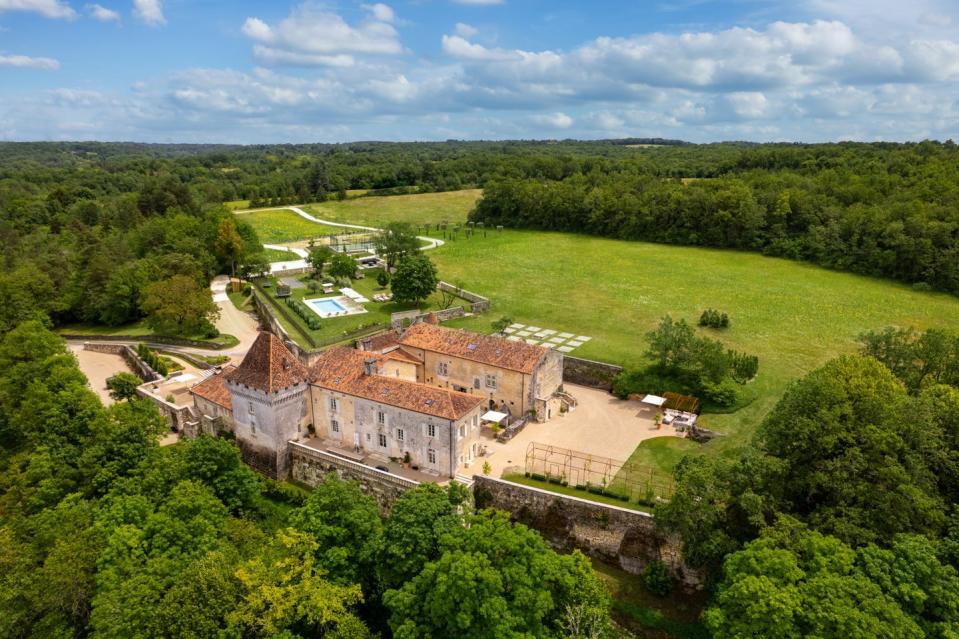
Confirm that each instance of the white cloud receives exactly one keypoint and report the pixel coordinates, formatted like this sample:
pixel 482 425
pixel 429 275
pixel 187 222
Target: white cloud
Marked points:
pixel 149 12
pixel 46 8
pixel 311 36
pixel 381 12
pixel 556 120
pixel 459 47
pixel 27 62
pixel 465 30
pixel 101 13
pixel 479 3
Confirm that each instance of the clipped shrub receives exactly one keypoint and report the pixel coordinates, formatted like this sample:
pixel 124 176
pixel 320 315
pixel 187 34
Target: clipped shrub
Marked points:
pixel 537 477
pixel 383 279
pixel 656 578
pixel 723 393
pixel 714 319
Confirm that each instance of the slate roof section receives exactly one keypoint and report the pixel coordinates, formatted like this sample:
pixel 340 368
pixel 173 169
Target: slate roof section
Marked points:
pixel 214 389
pixel 486 349
pixel 269 366
pixel 341 369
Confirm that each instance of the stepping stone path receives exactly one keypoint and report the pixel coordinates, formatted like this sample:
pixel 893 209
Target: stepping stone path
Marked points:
pixel 563 342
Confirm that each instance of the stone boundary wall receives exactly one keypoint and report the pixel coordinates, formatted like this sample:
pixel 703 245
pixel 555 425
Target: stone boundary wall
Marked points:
pixel 587 372
pixel 195 361
pixel 309 466
pixel 479 304
pixel 399 320
pixel 621 537
pixel 129 355
pixel 146 339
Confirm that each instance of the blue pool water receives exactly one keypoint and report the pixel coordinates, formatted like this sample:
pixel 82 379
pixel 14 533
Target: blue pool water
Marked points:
pixel 326 306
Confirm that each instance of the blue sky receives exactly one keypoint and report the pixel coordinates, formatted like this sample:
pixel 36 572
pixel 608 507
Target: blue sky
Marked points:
pixel 699 70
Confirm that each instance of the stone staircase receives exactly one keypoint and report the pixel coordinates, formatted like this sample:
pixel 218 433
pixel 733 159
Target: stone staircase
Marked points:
pixel 463 479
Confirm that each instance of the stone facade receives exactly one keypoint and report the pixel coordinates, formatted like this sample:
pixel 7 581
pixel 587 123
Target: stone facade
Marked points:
pixel 264 423
pixel 309 466
pixel 433 443
pixel 621 537
pixel 586 372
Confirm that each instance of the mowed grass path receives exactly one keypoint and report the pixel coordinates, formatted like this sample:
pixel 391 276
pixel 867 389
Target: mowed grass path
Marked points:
pixel 793 316
pixel 421 208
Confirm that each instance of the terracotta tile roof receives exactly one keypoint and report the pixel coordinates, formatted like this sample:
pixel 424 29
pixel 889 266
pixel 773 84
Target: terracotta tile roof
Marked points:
pixel 214 389
pixel 486 349
pixel 381 342
pixel 341 369
pixel 400 355
pixel 268 366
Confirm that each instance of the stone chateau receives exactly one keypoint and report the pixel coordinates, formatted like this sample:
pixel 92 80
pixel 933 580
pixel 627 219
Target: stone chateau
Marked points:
pixel 418 394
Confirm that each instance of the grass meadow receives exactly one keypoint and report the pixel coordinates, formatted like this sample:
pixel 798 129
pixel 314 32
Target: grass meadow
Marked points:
pixel 422 208
pixel 280 226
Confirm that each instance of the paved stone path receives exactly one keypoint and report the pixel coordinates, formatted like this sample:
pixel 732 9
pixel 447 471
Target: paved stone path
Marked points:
pixel 563 342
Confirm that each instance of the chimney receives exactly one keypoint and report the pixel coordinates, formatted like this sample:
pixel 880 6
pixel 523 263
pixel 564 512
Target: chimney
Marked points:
pixel 366 344
pixel 369 366
pixel 431 319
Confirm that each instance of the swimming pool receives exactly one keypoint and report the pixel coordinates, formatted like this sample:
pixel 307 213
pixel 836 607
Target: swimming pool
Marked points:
pixel 333 306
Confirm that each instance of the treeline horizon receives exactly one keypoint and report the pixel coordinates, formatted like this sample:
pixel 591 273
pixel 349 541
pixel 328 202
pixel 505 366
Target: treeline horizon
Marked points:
pixel 880 210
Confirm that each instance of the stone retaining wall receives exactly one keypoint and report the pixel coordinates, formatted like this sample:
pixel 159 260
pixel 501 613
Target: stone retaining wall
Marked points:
pixel 479 304
pixel 586 372
pixel 129 355
pixel 625 538
pixel 309 466
pixel 148 339
pixel 403 319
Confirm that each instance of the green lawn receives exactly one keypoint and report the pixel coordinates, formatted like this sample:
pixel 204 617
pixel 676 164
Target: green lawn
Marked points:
pixel 421 208
pixel 338 328
pixel 276 255
pixel 519 478
pixel 278 226
pixel 793 316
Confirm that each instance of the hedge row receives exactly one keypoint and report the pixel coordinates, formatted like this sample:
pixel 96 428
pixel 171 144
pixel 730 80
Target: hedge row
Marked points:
pixel 308 316
pixel 152 359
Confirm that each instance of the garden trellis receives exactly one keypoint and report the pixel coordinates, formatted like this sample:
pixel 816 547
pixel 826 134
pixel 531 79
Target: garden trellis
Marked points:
pixel 596 474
